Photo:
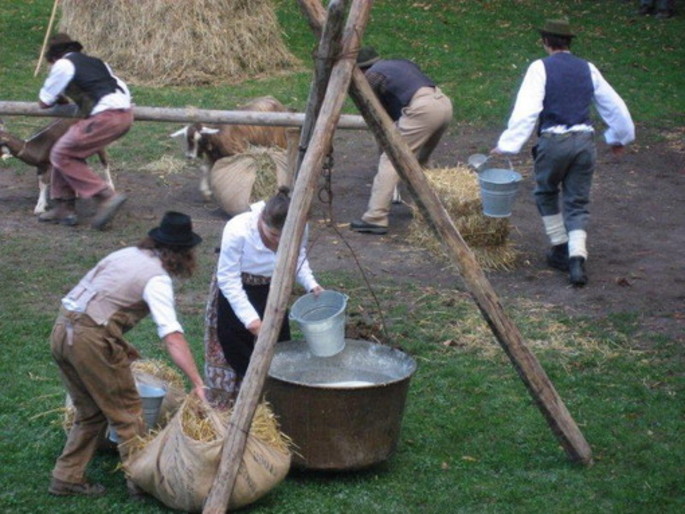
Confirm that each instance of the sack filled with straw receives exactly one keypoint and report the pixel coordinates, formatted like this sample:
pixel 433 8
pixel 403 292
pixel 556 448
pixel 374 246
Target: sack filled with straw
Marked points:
pixel 178 465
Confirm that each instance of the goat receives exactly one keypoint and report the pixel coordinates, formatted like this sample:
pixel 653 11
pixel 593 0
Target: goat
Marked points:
pixel 214 141
pixel 35 151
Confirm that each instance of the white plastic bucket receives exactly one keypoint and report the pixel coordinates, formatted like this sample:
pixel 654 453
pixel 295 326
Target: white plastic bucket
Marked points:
pixel 498 189
pixel 322 321
pixel 152 397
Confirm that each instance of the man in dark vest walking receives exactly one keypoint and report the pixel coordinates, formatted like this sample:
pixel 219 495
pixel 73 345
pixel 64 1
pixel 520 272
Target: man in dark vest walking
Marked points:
pixel 421 112
pixel 557 93
pixel 105 101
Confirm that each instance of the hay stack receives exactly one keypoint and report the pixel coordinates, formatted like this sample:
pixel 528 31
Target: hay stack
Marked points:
pixel 162 42
pixel 459 191
pixel 245 178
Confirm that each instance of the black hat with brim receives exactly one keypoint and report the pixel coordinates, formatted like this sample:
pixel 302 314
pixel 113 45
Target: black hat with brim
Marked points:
pixel 560 27
pixel 176 229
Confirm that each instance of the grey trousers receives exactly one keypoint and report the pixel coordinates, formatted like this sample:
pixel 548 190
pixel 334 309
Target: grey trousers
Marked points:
pixel 564 165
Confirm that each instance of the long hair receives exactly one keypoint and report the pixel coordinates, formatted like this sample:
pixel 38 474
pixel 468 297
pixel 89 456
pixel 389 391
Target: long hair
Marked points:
pixel 178 261
pixel 276 208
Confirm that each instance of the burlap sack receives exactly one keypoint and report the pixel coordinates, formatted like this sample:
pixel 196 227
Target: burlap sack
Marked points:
pixel 240 180
pixel 179 470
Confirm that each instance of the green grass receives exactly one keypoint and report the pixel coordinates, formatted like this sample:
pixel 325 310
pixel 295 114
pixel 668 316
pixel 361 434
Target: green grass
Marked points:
pixel 471 441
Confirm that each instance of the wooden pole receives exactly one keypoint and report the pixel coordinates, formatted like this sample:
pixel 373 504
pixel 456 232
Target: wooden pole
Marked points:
pixel 47 35
pixel 186 115
pixel 286 262
pixel 328 50
pixel 526 364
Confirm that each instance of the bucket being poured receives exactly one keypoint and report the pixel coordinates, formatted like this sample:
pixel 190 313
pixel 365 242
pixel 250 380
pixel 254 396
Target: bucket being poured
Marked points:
pixel 322 321
pixel 151 397
pixel 498 189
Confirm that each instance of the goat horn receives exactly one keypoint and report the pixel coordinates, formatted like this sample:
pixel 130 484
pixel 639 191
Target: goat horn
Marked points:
pixel 182 132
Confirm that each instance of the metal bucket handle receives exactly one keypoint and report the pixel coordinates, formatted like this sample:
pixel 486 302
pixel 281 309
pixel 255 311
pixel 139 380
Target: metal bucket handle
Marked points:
pixel 477 161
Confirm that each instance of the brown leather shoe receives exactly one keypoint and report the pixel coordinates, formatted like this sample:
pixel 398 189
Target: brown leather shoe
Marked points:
pixel 106 211
pixel 61 488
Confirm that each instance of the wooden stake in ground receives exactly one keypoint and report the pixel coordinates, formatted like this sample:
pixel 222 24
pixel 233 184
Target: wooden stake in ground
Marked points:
pixel 286 260
pixel 47 35
pixel 526 364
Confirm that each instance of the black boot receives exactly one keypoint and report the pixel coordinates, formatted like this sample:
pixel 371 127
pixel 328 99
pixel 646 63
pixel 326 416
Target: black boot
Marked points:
pixel 577 274
pixel 557 257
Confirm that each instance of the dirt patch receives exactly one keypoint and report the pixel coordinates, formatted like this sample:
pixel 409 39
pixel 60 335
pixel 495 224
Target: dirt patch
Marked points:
pixel 636 237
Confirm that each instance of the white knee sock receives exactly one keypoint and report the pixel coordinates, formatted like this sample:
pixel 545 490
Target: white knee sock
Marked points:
pixel 576 244
pixel 554 228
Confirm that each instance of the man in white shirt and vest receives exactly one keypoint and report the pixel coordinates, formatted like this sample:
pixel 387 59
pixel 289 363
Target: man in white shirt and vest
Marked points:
pixel 556 94
pixel 94 358
pixel 105 102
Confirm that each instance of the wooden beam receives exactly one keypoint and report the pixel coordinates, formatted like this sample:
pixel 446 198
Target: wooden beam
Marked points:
pixel 510 339
pixel 286 262
pixel 328 50
pixel 186 115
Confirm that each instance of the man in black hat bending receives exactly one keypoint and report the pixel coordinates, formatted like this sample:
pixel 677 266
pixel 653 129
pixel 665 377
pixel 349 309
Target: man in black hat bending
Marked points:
pixel 421 112
pixel 105 102
pixel 94 359
pixel 557 93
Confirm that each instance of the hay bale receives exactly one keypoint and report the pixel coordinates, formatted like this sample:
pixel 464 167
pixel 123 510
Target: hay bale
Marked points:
pixel 162 42
pixel 487 237
pixel 242 179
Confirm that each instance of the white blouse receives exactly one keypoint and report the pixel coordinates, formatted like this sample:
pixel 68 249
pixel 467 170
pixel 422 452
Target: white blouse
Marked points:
pixel 243 251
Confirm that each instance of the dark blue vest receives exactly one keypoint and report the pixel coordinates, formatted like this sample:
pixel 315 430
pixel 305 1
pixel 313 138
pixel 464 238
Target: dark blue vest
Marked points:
pixel 402 79
pixel 568 91
pixel 92 79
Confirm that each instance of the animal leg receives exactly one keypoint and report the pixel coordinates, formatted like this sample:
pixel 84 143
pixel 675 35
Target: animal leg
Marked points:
pixel 106 175
pixel 42 204
pixel 204 183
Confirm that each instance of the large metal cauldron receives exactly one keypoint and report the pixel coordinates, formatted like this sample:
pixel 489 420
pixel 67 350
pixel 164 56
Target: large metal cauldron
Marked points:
pixel 343 412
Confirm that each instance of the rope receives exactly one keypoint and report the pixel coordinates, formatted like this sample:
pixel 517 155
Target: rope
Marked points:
pixel 326 197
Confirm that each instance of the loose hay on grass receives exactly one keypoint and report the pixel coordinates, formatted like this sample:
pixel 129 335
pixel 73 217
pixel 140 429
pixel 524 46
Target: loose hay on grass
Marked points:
pixel 162 42
pixel 487 237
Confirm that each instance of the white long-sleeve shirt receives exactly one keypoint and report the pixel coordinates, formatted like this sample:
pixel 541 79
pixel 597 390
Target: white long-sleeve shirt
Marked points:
pixel 63 71
pixel 243 251
pixel 529 104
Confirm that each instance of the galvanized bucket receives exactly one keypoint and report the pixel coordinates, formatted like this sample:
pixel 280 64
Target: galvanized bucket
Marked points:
pixel 322 321
pixel 151 397
pixel 498 186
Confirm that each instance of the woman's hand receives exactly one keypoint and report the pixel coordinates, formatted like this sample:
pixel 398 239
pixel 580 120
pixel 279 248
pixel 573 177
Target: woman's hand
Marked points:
pixel 316 290
pixel 200 391
pixel 254 327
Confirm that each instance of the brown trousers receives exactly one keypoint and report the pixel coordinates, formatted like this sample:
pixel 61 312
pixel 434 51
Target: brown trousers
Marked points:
pixel 71 175
pixel 95 368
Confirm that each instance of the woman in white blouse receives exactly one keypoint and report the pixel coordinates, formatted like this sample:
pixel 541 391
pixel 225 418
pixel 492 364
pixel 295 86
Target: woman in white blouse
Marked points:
pixel 246 264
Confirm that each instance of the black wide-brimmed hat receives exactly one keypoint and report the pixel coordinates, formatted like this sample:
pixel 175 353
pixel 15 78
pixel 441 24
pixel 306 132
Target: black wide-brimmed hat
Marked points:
pixel 176 229
pixel 559 27
pixel 367 56
pixel 60 44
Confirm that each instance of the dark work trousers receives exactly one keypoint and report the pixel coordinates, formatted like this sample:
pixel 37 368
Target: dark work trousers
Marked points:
pixel 564 165
pixel 236 341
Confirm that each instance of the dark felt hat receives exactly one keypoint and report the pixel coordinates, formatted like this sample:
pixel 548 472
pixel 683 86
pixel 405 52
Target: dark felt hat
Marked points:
pixel 60 44
pixel 176 229
pixel 367 56
pixel 558 27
